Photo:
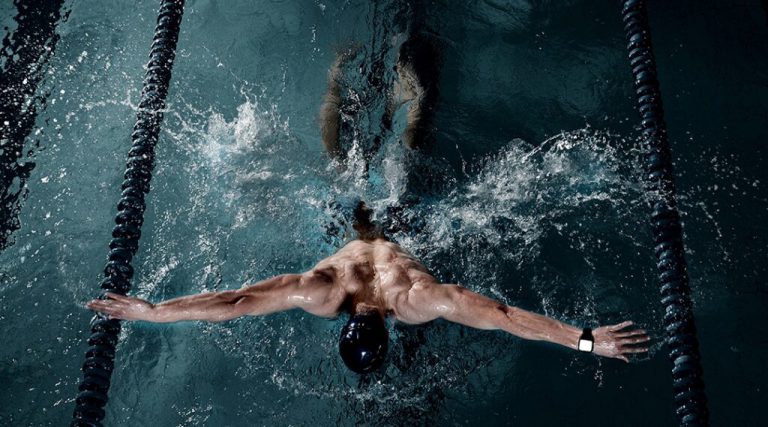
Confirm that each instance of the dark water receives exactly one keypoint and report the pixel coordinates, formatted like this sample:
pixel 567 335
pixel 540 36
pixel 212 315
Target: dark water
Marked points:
pixel 531 195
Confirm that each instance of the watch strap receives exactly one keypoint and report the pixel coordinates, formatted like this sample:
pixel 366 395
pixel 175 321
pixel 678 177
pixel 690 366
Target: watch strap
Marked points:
pixel 589 345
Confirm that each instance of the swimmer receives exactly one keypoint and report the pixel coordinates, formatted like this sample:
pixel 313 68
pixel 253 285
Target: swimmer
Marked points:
pixel 372 278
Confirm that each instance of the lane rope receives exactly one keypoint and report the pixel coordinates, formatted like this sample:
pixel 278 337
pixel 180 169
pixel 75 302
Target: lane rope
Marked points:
pixel 687 374
pixel 99 358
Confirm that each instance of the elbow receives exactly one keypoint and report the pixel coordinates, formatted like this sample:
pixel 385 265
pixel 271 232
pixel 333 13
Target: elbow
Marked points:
pixel 229 305
pixel 239 304
pixel 511 321
pixel 511 313
pixel 229 297
pixel 504 316
pixel 523 325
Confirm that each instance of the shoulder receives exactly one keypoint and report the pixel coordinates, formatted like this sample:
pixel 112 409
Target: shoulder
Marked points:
pixel 429 290
pixel 421 303
pixel 320 292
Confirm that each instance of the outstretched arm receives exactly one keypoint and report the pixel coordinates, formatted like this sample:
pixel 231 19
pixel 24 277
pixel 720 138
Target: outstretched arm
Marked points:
pixel 311 291
pixel 462 306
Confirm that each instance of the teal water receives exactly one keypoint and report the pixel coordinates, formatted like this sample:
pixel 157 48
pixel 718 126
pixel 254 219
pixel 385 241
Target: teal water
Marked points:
pixel 533 198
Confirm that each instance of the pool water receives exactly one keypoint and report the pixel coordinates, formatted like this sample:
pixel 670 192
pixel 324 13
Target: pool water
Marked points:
pixel 531 194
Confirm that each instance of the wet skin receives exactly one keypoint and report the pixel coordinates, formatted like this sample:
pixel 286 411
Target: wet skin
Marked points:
pixel 380 275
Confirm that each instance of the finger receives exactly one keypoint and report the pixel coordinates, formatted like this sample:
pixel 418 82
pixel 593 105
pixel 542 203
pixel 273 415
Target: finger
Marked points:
pixel 624 358
pixel 117 297
pixel 95 303
pixel 630 333
pixel 112 308
pixel 637 340
pixel 102 306
pixel 104 303
pixel 116 315
pixel 107 311
pixel 634 349
pixel 620 326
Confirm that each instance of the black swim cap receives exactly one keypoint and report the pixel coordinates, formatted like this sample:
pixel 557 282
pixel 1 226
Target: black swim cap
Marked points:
pixel 363 342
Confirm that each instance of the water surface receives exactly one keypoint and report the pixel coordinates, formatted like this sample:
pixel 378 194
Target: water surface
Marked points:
pixel 532 196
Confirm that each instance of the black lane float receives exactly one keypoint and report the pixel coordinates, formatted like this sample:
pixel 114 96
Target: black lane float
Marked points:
pixel 687 381
pixel 99 359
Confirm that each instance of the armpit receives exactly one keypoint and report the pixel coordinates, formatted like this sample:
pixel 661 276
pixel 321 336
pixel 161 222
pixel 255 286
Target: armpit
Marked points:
pixel 322 275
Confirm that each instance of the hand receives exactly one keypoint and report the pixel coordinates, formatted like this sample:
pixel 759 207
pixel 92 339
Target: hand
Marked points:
pixel 122 307
pixel 617 341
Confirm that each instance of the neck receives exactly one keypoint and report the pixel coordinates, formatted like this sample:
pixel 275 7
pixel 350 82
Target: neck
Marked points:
pixel 361 307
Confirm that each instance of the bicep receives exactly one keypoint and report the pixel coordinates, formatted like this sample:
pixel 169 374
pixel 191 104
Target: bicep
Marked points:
pixel 460 305
pixel 265 297
pixel 308 291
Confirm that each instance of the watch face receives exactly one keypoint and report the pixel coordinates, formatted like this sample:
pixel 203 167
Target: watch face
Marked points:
pixel 586 345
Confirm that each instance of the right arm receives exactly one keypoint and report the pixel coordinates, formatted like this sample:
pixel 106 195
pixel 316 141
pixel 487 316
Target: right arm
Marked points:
pixel 312 291
pixel 460 305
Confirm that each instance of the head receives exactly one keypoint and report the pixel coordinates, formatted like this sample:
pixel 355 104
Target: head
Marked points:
pixel 364 341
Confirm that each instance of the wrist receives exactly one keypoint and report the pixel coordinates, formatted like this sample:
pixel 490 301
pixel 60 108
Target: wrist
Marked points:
pixel 573 334
pixel 586 342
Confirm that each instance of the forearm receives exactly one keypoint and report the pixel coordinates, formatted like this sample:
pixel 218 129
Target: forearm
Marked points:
pixel 481 312
pixel 459 305
pixel 212 307
pixel 533 326
pixel 616 341
pixel 256 299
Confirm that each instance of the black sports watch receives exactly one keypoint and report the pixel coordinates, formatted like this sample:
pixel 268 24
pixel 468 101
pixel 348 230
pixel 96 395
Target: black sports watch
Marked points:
pixel 586 341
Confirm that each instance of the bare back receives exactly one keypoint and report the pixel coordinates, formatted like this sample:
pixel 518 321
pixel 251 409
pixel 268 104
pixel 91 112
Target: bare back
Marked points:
pixel 377 272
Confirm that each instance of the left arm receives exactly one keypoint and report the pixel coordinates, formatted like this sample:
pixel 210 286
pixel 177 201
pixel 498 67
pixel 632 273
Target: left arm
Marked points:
pixel 312 291
pixel 459 305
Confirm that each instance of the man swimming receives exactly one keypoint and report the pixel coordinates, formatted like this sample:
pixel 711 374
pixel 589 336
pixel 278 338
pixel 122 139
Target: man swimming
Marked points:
pixel 372 278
